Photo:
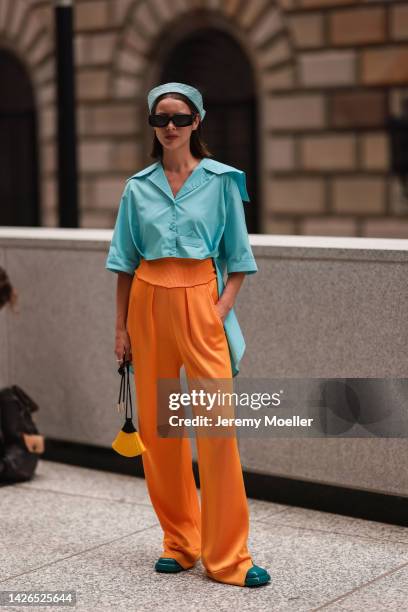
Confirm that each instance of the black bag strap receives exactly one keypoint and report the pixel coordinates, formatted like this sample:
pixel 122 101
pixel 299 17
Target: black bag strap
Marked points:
pixel 128 392
pixel 121 371
pixel 125 393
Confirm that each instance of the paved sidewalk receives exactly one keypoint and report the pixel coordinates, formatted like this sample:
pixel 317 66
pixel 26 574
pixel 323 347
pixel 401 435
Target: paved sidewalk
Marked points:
pixel 95 532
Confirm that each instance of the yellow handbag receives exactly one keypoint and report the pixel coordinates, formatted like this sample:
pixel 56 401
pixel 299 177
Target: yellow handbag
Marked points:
pixel 128 441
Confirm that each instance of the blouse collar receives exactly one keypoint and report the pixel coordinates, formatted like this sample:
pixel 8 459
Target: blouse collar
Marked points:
pixel 206 169
pixel 156 175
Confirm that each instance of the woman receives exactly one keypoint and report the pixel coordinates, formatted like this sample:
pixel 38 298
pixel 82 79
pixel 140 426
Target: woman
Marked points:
pixel 180 225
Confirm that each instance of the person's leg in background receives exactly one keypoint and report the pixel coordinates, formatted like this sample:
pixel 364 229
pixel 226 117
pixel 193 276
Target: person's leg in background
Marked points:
pixel 167 462
pixel 224 506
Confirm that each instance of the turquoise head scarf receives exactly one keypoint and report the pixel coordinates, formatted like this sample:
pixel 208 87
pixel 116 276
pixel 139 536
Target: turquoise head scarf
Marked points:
pixel 188 90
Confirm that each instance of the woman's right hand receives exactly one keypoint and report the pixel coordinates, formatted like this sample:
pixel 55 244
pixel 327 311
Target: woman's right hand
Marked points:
pixel 123 345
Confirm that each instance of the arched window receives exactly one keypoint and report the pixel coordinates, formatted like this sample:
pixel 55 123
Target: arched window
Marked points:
pixel 19 201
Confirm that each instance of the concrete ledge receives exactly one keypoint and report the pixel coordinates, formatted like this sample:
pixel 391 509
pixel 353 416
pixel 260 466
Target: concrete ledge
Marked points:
pixel 327 307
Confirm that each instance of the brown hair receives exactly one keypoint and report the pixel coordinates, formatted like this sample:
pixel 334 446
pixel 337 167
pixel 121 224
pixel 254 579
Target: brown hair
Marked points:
pixel 198 147
pixel 8 294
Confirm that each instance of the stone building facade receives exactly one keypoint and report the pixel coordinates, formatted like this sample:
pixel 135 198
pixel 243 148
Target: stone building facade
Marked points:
pixel 326 74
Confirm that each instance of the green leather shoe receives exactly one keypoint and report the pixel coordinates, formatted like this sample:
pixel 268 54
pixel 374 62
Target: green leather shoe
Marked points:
pixel 256 576
pixel 167 564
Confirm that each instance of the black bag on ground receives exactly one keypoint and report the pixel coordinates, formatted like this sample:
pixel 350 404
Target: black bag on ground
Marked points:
pixel 18 433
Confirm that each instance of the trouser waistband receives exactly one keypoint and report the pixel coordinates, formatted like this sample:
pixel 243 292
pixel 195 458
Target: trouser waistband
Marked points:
pixel 176 271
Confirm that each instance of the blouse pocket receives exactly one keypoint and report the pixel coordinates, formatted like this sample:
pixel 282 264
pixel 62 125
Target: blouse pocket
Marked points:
pixel 190 240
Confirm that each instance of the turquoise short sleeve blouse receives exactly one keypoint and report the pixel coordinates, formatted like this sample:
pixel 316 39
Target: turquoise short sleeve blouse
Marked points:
pixel 204 219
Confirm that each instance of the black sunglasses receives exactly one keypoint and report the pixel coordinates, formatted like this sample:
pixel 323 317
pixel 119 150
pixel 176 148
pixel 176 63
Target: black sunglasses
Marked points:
pixel 179 119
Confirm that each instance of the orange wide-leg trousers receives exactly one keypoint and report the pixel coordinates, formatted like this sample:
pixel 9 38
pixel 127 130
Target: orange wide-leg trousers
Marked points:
pixel 172 321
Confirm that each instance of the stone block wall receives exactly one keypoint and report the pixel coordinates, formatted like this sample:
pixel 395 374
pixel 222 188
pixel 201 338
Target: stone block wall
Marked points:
pixel 328 74
pixel 328 162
